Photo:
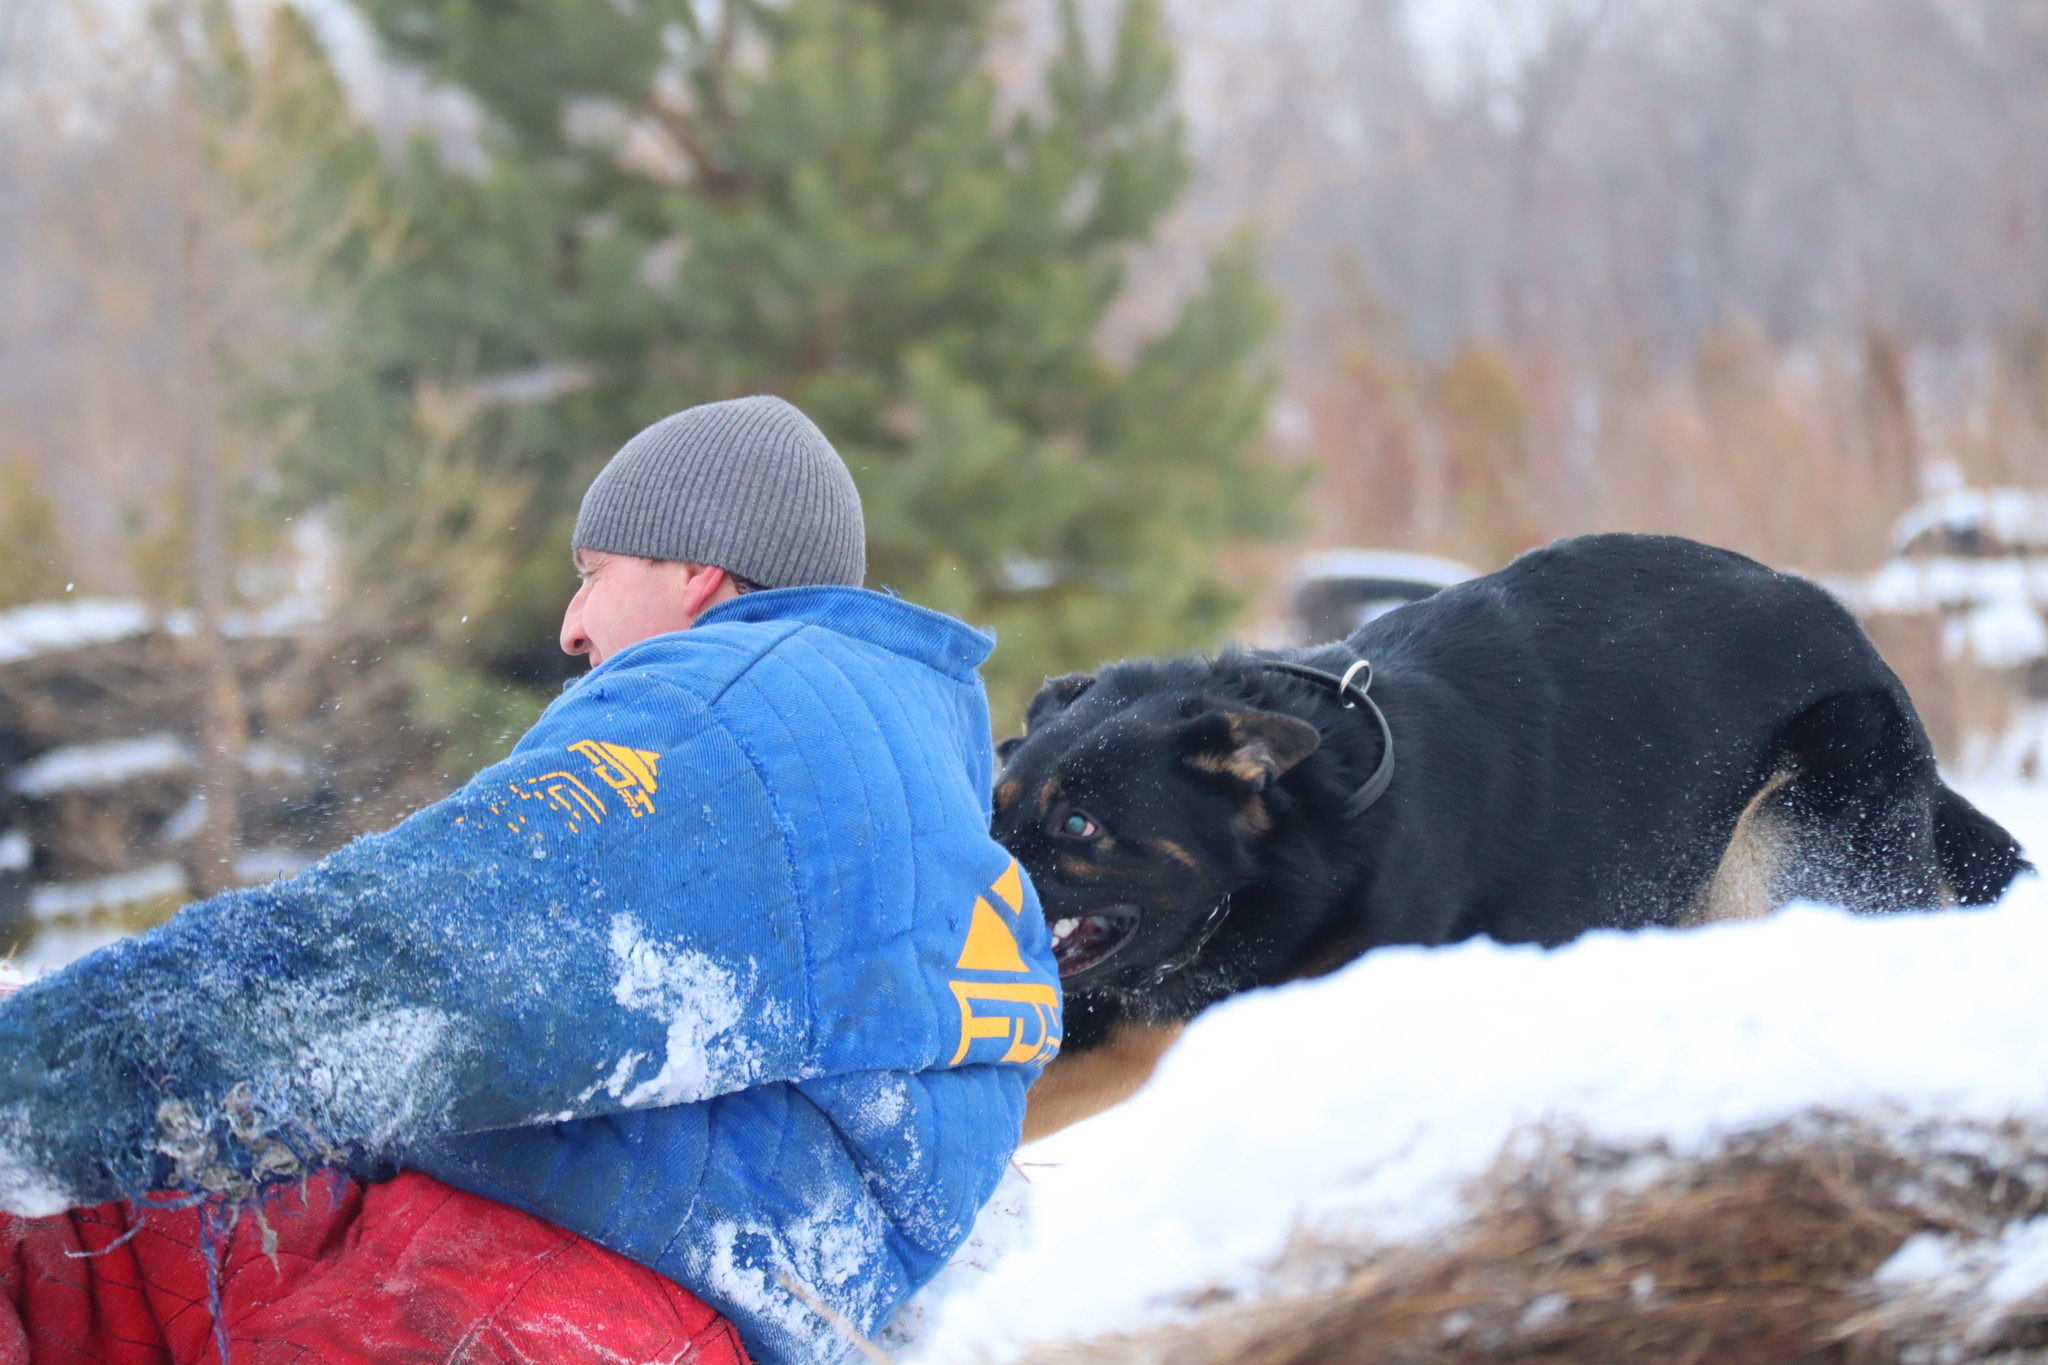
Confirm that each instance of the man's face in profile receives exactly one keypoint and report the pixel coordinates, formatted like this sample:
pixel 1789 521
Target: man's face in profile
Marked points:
pixel 625 599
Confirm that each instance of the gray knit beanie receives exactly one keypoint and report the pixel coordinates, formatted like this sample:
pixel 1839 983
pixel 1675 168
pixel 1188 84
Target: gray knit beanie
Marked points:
pixel 749 485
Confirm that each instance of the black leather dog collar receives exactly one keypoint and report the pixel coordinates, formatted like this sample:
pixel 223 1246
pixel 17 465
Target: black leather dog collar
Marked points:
pixel 1376 785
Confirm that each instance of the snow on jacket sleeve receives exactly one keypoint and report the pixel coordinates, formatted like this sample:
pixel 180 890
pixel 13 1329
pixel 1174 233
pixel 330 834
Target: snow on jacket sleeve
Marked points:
pixel 512 954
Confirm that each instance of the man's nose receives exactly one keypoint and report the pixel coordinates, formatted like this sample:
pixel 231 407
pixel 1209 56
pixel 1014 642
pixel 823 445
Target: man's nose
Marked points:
pixel 574 641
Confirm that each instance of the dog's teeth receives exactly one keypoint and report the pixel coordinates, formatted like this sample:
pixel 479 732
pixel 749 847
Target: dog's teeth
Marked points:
pixel 1062 927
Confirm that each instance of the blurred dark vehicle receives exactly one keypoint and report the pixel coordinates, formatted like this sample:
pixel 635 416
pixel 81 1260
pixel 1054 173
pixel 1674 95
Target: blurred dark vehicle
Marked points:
pixel 1337 591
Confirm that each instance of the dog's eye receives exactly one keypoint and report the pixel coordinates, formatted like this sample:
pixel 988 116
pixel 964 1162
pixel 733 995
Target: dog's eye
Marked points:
pixel 1080 826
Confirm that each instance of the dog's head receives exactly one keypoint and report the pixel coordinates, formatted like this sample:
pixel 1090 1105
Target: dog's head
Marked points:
pixel 1138 807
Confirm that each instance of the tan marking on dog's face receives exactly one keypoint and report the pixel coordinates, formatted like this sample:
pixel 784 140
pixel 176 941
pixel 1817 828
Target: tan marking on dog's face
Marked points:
pixel 1006 792
pixel 1075 866
pixel 1051 792
pixel 1235 763
pixel 1744 884
pixel 1175 852
pixel 1254 819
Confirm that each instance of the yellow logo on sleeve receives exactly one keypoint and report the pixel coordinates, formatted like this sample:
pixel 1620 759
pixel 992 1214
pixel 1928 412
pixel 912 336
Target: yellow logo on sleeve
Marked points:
pixel 565 793
pixel 629 772
pixel 1026 1013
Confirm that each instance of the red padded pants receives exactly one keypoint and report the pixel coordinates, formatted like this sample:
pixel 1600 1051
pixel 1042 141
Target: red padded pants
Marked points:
pixel 410 1272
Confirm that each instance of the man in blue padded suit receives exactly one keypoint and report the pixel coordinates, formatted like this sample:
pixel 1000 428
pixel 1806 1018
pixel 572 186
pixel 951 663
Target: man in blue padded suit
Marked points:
pixel 720 969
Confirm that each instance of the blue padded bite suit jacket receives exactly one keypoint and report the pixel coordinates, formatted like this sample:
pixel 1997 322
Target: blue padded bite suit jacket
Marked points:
pixel 720 969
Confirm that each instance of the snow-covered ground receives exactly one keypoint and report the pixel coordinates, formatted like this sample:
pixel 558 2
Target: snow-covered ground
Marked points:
pixel 1365 1102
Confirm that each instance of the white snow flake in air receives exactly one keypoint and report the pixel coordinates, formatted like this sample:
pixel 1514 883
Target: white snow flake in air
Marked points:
pixel 700 1002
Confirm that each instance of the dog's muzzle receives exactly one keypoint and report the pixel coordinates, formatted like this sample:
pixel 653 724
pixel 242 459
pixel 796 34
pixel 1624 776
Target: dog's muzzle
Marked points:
pixel 1081 942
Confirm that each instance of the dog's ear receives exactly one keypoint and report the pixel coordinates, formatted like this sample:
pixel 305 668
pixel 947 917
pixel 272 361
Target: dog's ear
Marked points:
pixel 1057 695
pixel 1004 748
pixel 1252 746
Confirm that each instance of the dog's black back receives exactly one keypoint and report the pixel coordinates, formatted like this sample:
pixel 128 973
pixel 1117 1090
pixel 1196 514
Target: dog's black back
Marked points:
pixel 1576 738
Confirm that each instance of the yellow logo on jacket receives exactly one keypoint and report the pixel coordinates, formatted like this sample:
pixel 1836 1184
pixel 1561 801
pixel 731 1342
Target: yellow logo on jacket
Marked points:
pixel 561 792
pixel 629 772
pixel 1026 1013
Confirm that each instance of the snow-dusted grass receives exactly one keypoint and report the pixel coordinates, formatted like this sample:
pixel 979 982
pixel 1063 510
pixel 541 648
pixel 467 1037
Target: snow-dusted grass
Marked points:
pixel 54 948
pixel 81 767
pixel 1365 1104
pixel 47 627
pixel 66 899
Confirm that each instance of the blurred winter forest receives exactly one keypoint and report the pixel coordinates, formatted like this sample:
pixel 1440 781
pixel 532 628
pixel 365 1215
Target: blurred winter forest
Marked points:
pixel 316 319
pixel 1748 270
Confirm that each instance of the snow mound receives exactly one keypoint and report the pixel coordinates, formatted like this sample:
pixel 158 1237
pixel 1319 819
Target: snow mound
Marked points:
pixel 1990 608
pixel 2010 519
pixel 1364 1107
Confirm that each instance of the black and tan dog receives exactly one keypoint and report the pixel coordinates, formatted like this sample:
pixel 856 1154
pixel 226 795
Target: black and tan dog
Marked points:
pixel 1614 731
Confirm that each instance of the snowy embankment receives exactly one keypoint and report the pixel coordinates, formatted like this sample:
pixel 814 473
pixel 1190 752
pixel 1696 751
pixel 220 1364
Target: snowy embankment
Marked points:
pixel 1384 1110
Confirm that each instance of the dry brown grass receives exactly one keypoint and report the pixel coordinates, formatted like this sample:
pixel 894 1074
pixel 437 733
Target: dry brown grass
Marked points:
pixel 1802 460
pixel 1801 465
pixel 1761 1254
pixel 1797 460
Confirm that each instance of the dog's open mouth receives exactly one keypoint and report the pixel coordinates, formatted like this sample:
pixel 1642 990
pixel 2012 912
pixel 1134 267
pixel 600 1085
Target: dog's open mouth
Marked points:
pixel 1085 941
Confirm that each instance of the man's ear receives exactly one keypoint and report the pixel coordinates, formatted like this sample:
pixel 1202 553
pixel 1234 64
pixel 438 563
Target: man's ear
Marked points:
pixel 700 589
pixel 1254 747
pixel 1056 696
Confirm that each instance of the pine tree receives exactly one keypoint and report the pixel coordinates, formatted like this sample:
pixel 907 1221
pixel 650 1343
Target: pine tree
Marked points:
pixel 305 231
pixel 828 200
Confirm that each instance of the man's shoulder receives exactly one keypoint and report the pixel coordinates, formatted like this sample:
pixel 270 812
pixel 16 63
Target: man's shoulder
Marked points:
pixel 860 675
pixel 853 618
pixel 885 634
